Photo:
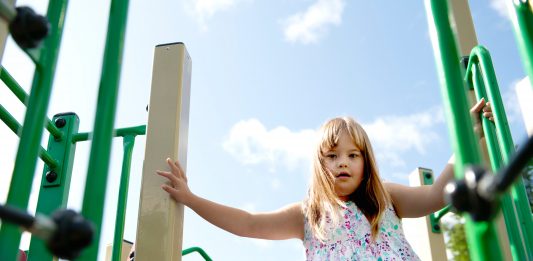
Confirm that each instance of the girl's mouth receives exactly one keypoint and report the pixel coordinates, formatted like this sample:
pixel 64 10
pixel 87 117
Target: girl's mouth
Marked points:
pixel 343 175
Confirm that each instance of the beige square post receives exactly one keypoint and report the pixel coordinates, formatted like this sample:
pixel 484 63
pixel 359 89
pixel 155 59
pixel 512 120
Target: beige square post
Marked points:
pixel 426 244
pixel 4 30
pixel 160 222
pixel 524 92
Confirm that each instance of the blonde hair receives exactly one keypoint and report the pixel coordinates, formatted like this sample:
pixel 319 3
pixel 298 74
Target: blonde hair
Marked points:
pixel 370 197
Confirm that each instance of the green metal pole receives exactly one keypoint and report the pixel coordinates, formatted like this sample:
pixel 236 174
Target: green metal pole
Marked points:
pixel 519 222
pixel 32 130
pixel 55 183
pixel 136 130
pixel 129 142
pixel 13 85
pixel 95 187
pixel 508 207
pixel 196 249
pixel 481 236
pixel 522 18
pixel 12 123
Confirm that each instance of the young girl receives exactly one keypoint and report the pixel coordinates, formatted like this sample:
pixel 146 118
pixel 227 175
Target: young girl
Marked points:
pixel 349 214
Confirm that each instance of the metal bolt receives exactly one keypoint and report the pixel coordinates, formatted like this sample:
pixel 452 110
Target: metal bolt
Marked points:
pixel 428 175
pixel 60 122
pixel 51 176
pixel 436 227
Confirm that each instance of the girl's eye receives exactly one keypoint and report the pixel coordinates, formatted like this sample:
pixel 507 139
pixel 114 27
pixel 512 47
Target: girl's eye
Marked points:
pixel 331 156
pixel 353 155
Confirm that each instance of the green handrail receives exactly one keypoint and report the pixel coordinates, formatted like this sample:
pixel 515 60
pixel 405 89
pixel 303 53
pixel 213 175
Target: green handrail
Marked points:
pixel 95 187
pixel 196 249
pixel 30 138
pixel 522 17
pixel 15 127
pixel 15 88
pixel 439 214
pixel 136 130
pixel 128 143
pixel 481 236
pixel 481 76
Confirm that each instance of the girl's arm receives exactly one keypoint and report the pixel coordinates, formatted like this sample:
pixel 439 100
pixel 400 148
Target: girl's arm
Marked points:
pixel 285 223
pixel 423 200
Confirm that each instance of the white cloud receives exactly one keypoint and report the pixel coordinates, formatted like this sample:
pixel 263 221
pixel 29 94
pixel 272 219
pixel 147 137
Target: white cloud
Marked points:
pixel 251 143
pixel 203 10
pixel 500 6
pixel 309 26
pixel 393 136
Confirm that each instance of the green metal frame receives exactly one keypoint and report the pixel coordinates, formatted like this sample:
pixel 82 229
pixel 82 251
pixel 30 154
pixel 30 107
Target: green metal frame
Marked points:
pixel 481 77
pixel 428 179
pixel 195 249
pixel 54 192
pixel 481 236
pixel 37 105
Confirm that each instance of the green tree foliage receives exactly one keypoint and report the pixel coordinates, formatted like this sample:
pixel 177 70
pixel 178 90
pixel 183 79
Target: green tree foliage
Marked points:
pixel 456 238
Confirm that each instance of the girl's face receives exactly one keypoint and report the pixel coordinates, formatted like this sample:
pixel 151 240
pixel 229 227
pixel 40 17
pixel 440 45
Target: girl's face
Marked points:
pixel 346 164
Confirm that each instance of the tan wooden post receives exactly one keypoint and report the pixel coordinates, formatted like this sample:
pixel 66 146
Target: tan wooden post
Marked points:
pixel 4 31
pixel 524 92
pixel 426 244
pixel 160 223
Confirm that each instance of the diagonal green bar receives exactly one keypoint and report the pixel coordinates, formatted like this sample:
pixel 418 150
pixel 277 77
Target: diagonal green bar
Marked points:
pixel 128 143
pixel 95 187
pixel 12 123
pixel 519 222
pixel 15 88
pixel 481 236
pixel 522 17
pixel 32 130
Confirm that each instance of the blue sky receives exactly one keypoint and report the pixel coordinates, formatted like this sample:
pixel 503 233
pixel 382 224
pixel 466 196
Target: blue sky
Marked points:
pixel 266 75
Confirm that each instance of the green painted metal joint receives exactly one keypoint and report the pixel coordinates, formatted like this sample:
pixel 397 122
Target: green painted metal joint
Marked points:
pixel 55 182
pixel 196 249
pixel 427 178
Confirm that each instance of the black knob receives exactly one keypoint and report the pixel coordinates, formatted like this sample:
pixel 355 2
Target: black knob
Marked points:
pixel 73 234
pixel 28 28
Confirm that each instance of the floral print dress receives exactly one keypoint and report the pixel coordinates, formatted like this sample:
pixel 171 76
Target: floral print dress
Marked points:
pixel 351 240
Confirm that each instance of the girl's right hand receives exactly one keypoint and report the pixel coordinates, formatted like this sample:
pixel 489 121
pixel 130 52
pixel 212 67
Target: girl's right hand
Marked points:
pixel 177 186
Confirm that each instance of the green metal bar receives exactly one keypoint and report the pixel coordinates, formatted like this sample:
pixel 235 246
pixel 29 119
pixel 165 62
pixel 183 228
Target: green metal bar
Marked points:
pixel 123 132
pixel 95 186
pixel 13 85
pixel 439 214
pixel 32 130
pixel 522 18
pixel 519 222
pixel 481 236
pixel 508 207
pixel 15 127
pixel 196 249
pixel 55 183
pixel 128 142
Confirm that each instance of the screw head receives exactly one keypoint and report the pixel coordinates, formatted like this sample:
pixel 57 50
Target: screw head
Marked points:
pixel 427 175
pixel 51 176
pixel 436 227
pixel 60 122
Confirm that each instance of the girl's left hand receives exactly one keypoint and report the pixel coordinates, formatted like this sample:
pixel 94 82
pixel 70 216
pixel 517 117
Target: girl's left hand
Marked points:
pixel 483 108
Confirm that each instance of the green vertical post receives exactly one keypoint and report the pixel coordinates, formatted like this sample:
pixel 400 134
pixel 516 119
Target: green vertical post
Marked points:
pixel 95 187
pixel 32 130
pixel 515 205
pixel 128 142
pixel 481 236
pixel 55 188
pixel 522 17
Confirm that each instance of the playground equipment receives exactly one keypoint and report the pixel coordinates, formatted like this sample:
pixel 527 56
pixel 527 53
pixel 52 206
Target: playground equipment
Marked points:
pixel 172 67
pixel 470 191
